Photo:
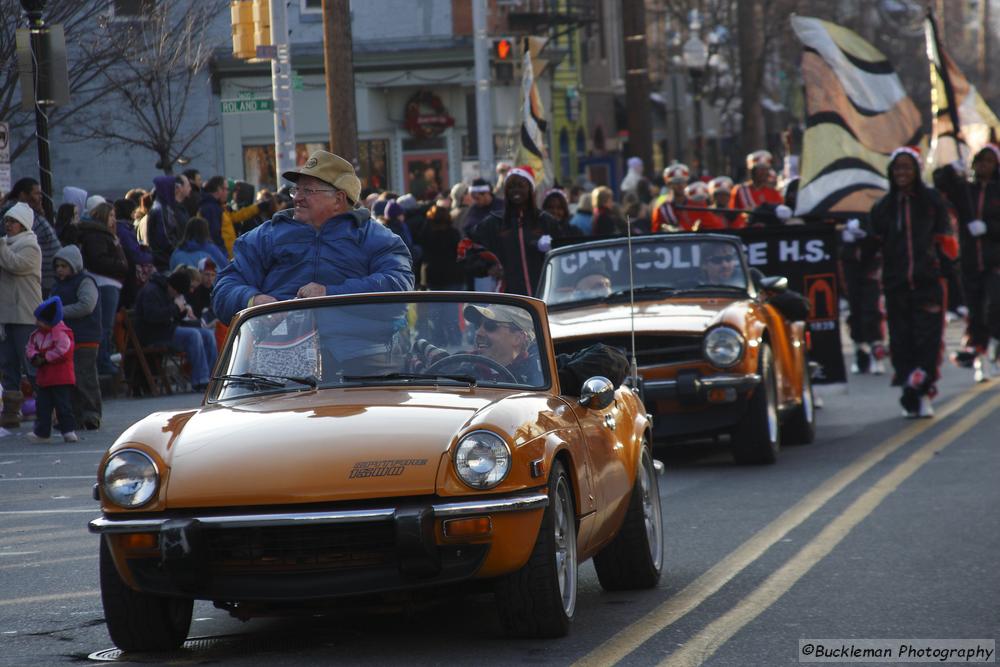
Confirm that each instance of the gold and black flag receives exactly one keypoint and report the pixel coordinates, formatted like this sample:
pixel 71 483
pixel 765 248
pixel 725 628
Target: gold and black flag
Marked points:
pixel 858 113
pixel 955 103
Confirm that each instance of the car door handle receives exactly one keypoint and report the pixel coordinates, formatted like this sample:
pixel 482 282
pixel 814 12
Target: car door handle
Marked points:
pixel 609 421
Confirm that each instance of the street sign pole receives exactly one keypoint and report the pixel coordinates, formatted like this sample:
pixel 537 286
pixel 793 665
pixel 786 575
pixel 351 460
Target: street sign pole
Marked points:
pixel 484 110
pixel 281 85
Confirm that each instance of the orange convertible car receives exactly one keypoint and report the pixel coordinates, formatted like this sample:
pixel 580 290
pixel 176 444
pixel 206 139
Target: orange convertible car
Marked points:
pixel 379 443
pixel 718 346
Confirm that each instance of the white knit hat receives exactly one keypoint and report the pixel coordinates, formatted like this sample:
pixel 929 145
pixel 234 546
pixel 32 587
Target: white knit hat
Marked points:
pixel 22 213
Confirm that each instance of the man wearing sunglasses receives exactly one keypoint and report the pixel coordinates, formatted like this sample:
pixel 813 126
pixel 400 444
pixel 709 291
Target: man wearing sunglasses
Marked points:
pixel 720 265
pixel 325 245
pixel 506 334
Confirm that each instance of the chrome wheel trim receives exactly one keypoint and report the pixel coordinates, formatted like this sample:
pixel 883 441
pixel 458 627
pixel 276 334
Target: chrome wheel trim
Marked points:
pixel 772 406
pixel 651 510
pixel 564 528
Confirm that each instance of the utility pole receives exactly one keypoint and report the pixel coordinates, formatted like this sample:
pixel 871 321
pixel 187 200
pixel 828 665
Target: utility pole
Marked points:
pixel 281 88
pixel 338 59
pixel 484 108
pixel 640 132
pixel 750 40
pixel 36 25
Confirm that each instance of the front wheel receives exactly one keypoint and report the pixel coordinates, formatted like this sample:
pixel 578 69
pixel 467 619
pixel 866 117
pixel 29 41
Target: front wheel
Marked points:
pixel 140 621
pixel 634 558
pixel 539 599
pixel 757 437
pixel 800 427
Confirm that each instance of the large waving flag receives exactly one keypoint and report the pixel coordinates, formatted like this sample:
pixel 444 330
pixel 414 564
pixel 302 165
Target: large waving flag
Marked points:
pixel 531 150
pixel 955 102
pixel 858 113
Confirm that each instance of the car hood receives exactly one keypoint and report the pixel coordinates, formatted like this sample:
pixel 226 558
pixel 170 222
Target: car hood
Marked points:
pixel 692 316
pixel 329 445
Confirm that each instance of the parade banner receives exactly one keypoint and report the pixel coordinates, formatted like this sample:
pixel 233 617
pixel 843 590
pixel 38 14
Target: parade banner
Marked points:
pixel 955 103
pixel 531 148
pixel 857 114
pixel 807 256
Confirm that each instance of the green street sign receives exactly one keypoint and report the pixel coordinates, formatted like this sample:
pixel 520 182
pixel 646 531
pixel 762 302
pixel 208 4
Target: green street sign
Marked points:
pixel 246 106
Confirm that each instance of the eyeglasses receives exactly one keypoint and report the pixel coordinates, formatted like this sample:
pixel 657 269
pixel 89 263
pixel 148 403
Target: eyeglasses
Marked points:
pixel 308 192
pixel 491 325
pixel 719 259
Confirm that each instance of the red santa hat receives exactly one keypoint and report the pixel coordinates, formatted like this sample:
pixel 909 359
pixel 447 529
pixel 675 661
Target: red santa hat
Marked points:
pixel 525 172
pixel 912 151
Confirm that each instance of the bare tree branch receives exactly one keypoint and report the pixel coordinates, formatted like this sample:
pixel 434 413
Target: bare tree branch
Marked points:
pixel 158 64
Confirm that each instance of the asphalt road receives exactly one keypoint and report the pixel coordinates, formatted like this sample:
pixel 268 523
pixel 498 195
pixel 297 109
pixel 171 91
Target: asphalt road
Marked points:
pixel 882 528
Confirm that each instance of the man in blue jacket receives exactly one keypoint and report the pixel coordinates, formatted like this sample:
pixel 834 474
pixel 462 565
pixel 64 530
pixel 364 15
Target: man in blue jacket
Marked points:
pixel 325 246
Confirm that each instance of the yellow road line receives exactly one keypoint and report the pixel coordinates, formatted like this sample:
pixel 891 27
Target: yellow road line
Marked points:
pixel 703 645
pixel 49 598
pixel 682 602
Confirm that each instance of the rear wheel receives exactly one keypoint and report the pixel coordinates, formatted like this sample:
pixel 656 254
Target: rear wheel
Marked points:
pixel 757 437
pixel 634 558
pixel 140 621
pixel 539 599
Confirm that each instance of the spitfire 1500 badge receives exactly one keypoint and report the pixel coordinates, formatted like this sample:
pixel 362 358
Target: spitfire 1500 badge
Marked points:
pixel 384 468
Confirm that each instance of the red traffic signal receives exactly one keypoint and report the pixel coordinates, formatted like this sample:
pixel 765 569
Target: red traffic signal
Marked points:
pixel 503 48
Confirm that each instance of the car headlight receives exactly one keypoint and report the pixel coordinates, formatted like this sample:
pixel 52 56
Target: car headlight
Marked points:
pixel 130 478
pixel 482 459
pixel 723 347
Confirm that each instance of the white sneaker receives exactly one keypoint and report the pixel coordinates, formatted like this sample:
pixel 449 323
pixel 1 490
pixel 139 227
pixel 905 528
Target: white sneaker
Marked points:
pixel 33 437
pixel 4 432
pixel 981 369
pixel 878 367
pixel 926 409
pixel 70 436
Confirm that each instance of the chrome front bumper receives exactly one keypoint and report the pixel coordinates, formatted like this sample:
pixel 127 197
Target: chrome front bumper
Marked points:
pixel 692 386
pixel 445 510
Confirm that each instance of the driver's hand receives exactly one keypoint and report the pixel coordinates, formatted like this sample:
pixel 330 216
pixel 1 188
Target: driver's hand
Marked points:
pixel 310 290
pixel 261 299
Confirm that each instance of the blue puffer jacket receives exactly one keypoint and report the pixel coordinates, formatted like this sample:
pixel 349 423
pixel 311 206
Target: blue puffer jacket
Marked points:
pixel 350 254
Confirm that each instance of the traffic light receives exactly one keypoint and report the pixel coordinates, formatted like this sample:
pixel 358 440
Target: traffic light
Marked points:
pixel 251 27
pixel 503 58
pixel 243 29
pixel 262 22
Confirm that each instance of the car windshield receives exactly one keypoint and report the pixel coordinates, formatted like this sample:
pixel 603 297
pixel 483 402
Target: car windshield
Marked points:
pixel 433 341
pixel 660 266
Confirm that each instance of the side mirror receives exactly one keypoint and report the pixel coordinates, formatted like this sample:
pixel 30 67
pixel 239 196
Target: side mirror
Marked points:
pixel 774 283
pixel 597 393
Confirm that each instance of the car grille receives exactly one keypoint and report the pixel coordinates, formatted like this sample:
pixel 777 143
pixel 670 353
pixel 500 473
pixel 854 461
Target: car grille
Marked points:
pixel 650 350
pixel 330 547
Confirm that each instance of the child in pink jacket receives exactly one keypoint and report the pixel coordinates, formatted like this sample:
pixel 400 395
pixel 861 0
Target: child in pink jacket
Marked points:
pixel 50 350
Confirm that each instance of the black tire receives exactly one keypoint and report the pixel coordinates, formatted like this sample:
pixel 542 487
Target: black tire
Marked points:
pixel 757 437
pixel 634 558
pixel 538 600
pixel 140 621
pixel 800 426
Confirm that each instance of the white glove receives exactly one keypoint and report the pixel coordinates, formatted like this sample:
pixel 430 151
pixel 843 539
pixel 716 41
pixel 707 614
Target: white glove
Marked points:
pixel 847 235
pixel 977 227
pixel 854 225
pixel 853 232
pixel 783 212
pixel 545 243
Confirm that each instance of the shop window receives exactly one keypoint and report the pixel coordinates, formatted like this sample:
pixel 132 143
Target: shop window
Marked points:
pixel 373 161
pixel 312 6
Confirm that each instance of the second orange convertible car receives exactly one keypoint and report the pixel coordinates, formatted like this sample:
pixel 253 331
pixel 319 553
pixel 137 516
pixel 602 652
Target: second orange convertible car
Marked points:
pixel 718 351
pixel 379 443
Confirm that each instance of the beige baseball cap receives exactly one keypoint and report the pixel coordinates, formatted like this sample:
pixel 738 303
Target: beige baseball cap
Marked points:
pixel 331 169
pixel 501 314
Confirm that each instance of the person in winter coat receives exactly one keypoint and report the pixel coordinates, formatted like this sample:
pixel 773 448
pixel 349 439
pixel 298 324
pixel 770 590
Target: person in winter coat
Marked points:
pixel 583 219
pixel 50 349
pixel 104 258
pixel 139 258
pixel 28 191
pixel 20 293
pixel 910 226
pixel 978 207
pixel 440 244
pixel 196 245
pixel 160 307
pixel 77 289
pixel 606 220
pixel 520 236
pixel 163 227
pixel 483 204
pixel 757 190
pixel 324 246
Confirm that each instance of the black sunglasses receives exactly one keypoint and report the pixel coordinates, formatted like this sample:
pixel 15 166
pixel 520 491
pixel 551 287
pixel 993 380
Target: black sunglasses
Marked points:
pixel 490 325
pixel 719 259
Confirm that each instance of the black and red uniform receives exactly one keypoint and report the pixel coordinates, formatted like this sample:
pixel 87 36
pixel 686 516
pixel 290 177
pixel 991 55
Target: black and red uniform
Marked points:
pixel 914 235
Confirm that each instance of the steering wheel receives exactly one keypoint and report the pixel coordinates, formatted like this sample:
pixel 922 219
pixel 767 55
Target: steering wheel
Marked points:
pixel 464 357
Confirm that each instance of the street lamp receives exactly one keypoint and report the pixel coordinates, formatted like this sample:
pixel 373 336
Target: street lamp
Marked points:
pixel 695 57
